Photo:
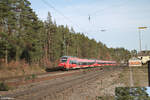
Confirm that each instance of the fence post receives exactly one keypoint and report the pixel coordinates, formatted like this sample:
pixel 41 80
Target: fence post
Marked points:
pixel 148 73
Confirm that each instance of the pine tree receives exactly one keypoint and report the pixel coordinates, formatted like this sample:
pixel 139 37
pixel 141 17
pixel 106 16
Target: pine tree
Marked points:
pixel 127 93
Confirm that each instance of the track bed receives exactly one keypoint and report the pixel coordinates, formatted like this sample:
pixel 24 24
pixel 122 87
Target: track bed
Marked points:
pixel 48 89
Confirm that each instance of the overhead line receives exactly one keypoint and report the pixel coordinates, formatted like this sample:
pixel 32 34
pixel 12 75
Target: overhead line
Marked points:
pixel 59 12
pixel 114 5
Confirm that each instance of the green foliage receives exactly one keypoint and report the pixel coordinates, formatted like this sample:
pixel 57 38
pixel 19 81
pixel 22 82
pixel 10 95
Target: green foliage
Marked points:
pixel 24 37
pixel 127 93
pixel 120 54
pixel 34 76
pixel 3 86
pixel 104 98
pixel 27 78
pixel 133 53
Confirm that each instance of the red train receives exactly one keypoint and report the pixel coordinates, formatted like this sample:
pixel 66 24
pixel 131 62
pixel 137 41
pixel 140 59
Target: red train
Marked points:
pixel 69 62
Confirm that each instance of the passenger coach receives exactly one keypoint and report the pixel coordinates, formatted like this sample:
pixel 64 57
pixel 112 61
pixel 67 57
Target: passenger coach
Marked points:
pixel 70 62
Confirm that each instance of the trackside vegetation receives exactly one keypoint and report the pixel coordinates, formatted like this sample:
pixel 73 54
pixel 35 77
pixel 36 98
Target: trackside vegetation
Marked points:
pixel 128 93
pixel 3 87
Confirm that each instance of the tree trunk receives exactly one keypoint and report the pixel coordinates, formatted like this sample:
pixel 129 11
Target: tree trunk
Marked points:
pixel 17 53
pixel 6 56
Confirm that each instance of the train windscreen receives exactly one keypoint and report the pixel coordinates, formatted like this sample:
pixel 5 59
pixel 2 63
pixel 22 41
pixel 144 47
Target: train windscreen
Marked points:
pixel 64 59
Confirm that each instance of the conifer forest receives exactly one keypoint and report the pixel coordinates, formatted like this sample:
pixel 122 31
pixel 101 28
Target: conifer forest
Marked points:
pixel 23 36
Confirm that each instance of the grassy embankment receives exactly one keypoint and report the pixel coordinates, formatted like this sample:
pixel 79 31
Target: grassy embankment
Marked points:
pixel 139 76
pixel 18 69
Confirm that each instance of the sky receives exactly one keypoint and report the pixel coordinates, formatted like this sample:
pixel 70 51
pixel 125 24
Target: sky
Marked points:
pixel 119 18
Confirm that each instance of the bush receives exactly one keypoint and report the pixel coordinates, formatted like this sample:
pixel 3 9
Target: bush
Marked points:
pixel 33 76
pixel 27 78
pixel 3 86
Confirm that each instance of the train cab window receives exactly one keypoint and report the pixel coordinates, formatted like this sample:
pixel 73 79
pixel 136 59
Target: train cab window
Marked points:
pixel 64 59
pixel 74 62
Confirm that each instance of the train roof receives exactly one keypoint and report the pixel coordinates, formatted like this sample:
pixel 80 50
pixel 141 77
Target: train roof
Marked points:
pixel 84 59
pixel 69 57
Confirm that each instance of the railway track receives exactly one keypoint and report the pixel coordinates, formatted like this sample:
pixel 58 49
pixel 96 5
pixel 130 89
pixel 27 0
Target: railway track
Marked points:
pixel 27 79
pixel 48 71
pixel 23 76
pixel 49 87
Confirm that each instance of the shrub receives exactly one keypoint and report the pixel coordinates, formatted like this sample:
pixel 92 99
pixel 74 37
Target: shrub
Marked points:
pixel 3 86
pixel 27 78
pixel 33 76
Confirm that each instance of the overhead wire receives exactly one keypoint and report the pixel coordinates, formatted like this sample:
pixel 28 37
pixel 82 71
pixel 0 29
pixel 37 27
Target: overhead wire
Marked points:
pixel 59 12
pixel 99 11
pixel 89 17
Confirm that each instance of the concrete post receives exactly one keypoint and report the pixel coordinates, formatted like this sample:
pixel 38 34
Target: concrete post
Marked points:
pixel 148 73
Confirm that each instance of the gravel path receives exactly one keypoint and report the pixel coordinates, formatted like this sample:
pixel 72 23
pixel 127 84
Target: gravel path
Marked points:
pixel 131 77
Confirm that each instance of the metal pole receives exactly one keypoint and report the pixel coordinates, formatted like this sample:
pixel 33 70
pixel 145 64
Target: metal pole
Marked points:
pixel 148 73
pixel 140 40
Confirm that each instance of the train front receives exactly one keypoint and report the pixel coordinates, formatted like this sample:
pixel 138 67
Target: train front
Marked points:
pixel 63 64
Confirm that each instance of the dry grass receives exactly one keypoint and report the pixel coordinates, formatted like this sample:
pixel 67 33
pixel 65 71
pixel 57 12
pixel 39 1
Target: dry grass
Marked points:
pixel 18 68
pixel 140 76
pixel 124 77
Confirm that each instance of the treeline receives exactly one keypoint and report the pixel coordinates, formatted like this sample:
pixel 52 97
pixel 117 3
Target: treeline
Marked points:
pixel 120 54
pixel 24 37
